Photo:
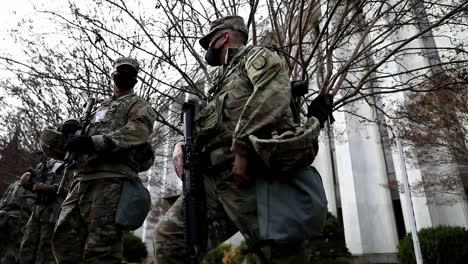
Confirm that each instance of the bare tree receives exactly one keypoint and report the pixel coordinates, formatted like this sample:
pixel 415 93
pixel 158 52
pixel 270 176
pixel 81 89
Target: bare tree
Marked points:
pixel 357 50
pixel 437 131
pixel 345 45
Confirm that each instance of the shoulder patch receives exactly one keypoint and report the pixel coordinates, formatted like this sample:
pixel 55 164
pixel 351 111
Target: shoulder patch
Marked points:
pixel 259 62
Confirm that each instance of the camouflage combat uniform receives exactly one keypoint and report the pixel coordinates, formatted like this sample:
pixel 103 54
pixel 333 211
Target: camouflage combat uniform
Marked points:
pixel 86 230
pixel 36 245
pixel 250 96
pixel 17 203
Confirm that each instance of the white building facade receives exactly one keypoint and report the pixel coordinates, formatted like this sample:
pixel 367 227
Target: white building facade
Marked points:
pixel 357 162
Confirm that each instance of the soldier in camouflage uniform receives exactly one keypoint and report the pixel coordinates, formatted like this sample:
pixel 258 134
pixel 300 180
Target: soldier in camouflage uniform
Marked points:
pixel 15 208
pixel 36 245
pixel 120 128
pixel 250 95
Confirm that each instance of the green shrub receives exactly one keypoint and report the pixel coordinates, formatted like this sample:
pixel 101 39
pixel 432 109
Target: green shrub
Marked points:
pixel 242 252
pixel 216 255
pixel 331 246
pixel 134 250
pixel 439 245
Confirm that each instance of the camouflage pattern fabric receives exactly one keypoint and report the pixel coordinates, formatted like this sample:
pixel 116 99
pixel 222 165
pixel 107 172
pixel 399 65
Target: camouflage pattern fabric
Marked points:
pixel 86 231
pixel 36 245
pixel 126 61
pixel 291 150
pixel 269 102
pixel 227 22
pixel 18 204
pixel 52 143
pixel 250 96
pixel 120 129
pixel 229 209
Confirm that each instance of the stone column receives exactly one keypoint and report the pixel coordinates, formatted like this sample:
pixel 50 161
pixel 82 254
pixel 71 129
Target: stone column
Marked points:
pixel 368 216
pixel 324 163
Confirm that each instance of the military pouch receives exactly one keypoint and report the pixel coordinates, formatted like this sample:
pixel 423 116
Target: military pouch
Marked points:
pixel 209 118
pixel 290 150
pixel 294 210
pixel 134 204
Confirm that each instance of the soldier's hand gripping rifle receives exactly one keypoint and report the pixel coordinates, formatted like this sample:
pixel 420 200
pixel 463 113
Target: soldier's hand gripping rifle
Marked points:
pixel 193 188
pixel 71 159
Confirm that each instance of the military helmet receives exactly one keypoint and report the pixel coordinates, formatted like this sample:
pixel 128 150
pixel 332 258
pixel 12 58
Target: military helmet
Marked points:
pixel 290 150
pixel 26 180
pixel 127 61
pixel 227 22
pixel 53 143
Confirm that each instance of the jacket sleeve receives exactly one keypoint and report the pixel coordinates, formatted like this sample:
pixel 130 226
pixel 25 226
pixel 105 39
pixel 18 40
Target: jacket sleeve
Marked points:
pixel 270 98
pixel 136 131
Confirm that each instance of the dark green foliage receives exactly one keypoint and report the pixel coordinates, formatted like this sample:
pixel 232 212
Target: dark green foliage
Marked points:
pixel 215 256
pixel 242 252
pixel 439 245
pixel 134 250
pixel 331 247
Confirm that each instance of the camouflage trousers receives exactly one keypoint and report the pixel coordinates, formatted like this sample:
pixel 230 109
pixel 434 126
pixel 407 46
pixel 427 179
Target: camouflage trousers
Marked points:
pixel 36 246
pixel 229 209
pixel 86 231
pixel 10 237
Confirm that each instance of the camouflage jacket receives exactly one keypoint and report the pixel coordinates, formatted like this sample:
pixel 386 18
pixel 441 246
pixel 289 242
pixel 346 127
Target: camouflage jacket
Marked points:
pixel 17 201
pixel 250 96
pixel 120 129
pixel 45 181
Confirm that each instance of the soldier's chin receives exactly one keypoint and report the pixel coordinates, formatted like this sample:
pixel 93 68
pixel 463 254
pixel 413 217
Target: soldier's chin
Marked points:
pixel 123 87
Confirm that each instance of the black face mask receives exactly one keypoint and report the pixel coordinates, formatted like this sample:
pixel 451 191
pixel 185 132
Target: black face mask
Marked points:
pixel 125 79
pixel 213 54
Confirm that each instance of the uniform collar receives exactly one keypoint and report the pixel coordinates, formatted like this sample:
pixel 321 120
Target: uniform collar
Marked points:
pixel 120 96
pixel 233 53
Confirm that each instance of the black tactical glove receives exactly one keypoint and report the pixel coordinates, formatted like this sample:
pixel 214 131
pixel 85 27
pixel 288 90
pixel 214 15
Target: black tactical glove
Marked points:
pixel 81 144
pixel 321 108
pixel 69 126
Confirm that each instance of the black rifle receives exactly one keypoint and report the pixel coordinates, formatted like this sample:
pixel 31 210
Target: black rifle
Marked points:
pixel 71 160
pixel 193 188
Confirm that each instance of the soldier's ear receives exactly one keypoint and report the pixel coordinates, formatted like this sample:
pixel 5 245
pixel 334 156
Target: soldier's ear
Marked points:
pixel 225 38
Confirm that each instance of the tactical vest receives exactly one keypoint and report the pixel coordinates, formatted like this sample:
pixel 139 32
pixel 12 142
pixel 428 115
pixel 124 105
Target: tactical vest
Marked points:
pixel 283 146
pixel 231 88
pixel 111 115
pixel 52 176
pixel 17 198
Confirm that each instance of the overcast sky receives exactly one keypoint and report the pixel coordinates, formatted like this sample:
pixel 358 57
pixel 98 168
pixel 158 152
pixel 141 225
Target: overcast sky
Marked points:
pixel 10 14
